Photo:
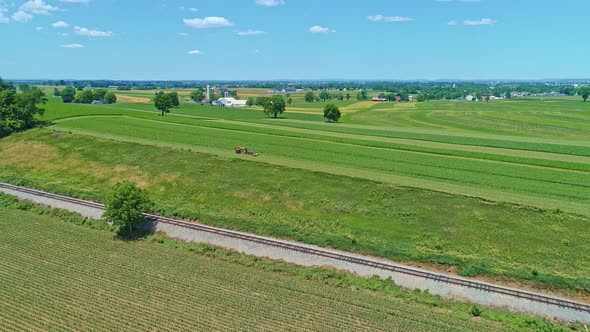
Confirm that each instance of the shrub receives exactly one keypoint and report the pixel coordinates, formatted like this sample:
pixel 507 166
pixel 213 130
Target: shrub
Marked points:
pixel 476 310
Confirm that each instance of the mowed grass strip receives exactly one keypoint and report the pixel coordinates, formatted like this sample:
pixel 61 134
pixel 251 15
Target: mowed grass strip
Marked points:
pixel 58 276
pixel 533 181
pixel 276 128
pixel 546 247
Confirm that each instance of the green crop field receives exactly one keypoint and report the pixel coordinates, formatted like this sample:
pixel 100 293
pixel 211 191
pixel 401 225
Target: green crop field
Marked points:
pixel 498 189
pixel 55 275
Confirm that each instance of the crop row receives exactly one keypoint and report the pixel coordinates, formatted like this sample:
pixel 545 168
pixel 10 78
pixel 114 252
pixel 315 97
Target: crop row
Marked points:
pixel 59 276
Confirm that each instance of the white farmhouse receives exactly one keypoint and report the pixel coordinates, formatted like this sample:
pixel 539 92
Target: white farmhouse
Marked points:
pixel 229 102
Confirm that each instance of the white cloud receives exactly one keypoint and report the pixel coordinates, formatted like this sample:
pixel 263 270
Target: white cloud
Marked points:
pixel 37 7
pixel 72 46
pixel 483 21
pixel 192 9
pixel 183 34
pixel 22 17
pixel 3 19
pixel 270 3
pixel 75 1
pixel 60 24
pixel 91 33
pixel 320 29
pixel 207 22
pixel 63 34
pixel 39 28
pixel 194 52
pixel 250 32
pixel 381 18
pixel 452 23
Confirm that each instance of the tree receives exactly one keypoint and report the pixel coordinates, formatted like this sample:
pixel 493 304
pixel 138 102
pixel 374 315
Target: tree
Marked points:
pixel 18 110
pixel 347 96
pixel 324 95
pixel 68 94
pixel 362 95
pixel 174 98
pixel 77 96
pixel 233 93
pixel 56 92
pixel 332 113
pixel 98 94
pixel 198 95
pixel 251 101
pixel 274 105
pixel 125 204
pixel 109 98
pixel 309 97
pixel 422 97
pixel 404 95
pixel 289 100
pixel 584 92
pixel 84 97
pixel 213 96
pixel 260 101
pixel 163 102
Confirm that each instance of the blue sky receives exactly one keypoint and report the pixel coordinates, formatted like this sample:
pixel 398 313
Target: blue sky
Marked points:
pixel 294 39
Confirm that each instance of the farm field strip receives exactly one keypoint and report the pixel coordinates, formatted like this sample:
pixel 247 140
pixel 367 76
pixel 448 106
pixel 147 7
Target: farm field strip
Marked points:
pixel 150 284
pixel 542 119
pixel 458 189
pixel 531 158
pixel 437 135
pixel 448 131
pixel 381 159
pixel 484 121
pixel 585 161
pixel 443 148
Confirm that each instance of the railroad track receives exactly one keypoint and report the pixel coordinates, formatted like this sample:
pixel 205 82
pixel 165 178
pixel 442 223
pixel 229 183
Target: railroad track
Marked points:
pixel 540 298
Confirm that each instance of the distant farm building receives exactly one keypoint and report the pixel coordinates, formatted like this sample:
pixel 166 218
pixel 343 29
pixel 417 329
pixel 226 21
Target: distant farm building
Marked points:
pixel 284 90
pixel 229 102
pixel 378 98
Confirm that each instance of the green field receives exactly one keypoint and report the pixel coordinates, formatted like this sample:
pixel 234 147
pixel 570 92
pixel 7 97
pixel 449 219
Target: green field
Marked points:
pixel 499 189
pixel 55 275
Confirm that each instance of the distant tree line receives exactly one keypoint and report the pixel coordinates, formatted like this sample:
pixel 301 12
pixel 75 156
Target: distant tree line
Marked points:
pixel 423 91
pixel 18 109
pixel 70 94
